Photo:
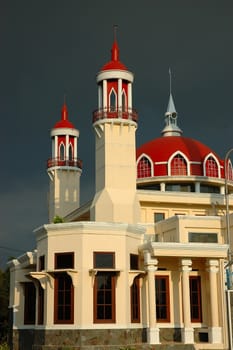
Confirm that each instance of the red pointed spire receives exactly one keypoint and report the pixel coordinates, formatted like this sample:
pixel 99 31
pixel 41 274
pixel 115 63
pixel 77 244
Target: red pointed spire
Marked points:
pixel 64 112
pixel 115 51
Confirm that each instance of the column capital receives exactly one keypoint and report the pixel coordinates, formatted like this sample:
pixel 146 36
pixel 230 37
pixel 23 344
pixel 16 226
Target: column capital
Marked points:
pixel 149 262
pixel 186 264
pixel 212 265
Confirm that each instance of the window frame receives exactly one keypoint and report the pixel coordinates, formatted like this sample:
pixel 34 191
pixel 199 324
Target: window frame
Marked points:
pixel 135 301
pixel 199 301
pixel 167 298
pixel 29 303
pixel 96 318
pixel 63 291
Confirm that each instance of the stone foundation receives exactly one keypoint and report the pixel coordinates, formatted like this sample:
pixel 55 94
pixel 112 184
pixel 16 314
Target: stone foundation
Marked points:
pixel 98 339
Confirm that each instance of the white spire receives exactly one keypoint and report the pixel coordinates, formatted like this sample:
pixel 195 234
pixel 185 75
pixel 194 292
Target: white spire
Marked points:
pixel 171 128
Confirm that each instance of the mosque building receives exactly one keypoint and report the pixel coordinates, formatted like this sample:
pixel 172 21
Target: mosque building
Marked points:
pixel 143 264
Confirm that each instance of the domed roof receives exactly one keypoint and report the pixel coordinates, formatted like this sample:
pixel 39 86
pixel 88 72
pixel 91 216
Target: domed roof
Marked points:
pixel 115 62
pixel 162 148
pixel 173 154
pixel 64 122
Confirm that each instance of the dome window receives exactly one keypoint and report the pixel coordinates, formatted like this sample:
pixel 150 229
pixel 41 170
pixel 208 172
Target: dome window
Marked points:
pixel 178 165
pixel 144 167
pixel 211 167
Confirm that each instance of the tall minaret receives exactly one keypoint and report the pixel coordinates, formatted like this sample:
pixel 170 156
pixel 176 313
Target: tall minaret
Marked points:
pixel 64 168
pixel 115 124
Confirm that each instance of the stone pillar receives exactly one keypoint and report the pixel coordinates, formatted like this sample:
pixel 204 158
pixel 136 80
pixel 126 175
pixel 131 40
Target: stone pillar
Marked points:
pixel 153 330
pixel 215 332
pixel 187 332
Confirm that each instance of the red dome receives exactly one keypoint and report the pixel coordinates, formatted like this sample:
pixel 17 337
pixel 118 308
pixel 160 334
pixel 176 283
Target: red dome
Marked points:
pixel 161 149
pixel 64 122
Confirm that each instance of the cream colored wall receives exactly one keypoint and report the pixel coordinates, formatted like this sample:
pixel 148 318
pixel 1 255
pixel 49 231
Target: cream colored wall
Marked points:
pixel 83 239
pixel 64 193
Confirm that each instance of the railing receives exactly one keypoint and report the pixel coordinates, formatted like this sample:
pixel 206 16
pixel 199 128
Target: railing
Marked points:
pixel 112 113
pixel 77 163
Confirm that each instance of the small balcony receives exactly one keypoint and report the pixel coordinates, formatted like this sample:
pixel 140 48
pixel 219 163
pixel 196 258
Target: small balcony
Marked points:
pixel 114 113
pixel 75 163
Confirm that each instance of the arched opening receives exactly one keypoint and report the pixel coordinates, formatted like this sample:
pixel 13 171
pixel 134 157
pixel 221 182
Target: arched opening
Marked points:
pixel 124 101
pixel 62 151
pixel 211 167
pixel 144 168
pixel 70 152
pixel 178 165
pixel 113 100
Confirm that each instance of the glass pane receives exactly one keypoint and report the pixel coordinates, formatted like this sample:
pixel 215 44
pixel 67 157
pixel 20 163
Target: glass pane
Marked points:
pixel 100 312
pixel 108 312
pixel 104 260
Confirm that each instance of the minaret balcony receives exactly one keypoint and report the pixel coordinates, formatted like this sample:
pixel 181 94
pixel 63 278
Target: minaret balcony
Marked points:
pixel 114 113
pixel 56 162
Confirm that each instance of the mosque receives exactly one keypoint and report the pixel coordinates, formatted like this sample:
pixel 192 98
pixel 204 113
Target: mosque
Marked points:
pixel 143 264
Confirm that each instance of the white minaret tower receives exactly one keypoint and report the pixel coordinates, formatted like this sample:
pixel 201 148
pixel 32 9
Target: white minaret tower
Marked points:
pixel 115 124
pixel 64 168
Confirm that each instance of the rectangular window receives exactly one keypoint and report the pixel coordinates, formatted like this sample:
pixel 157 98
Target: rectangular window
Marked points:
pixel 63 299
pixel 159 217
pixel 41 263
pixel 104 260
pixel 199 237
pixel 29 303
pixel 104 297
pixel 40 305
pixel 195 298
pixel 134 262
pixel 64 260
pixel 162 298
pixel 135 301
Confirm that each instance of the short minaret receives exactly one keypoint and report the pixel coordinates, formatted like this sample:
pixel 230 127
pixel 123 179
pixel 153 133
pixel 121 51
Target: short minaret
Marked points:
pixel 64 168
pixel 115 124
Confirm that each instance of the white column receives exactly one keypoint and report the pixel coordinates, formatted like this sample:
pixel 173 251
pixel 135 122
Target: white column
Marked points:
pixel 105 94
pixel 55 147
pixel 119 94
pixel 162 187
pixel 215 332
pixel 197 187
pixel 67 147
pixel 130 95
pixel 152 330
pixel 75 156
pixel 100 96
pixel 187 332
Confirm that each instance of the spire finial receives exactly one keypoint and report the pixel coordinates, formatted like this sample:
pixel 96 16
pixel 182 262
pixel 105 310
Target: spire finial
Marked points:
pixel 170 80
pixel 64 111
pixel 115 49
pixel 115 26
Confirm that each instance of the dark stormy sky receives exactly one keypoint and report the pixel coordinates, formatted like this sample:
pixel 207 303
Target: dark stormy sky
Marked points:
pixel 49 48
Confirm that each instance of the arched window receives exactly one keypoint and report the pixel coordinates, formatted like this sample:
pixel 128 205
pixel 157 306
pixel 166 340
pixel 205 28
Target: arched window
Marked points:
pixel 124 101
pixel 70 152
pixel 178 165
pixel 62 151
pixel 144 167
pixel 229 172
pixel 112 100
pixel 211 167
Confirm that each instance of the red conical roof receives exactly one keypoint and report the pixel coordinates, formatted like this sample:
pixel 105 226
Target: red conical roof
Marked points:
pixel 64 122
pixel 115 62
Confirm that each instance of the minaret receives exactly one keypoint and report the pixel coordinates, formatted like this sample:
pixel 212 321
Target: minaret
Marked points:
pixel 64 168
pixel 115 124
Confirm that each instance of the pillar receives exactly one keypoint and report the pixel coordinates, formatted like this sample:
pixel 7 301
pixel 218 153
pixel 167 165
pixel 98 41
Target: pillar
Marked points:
pixel 187 332
pixel 215 332
pixel 152 330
